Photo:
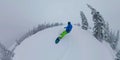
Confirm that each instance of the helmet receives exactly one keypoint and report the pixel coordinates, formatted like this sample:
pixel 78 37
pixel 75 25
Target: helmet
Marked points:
pixel 69 22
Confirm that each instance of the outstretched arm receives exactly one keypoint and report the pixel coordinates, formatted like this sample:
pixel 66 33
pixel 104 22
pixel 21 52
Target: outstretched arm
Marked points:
pixel 65 27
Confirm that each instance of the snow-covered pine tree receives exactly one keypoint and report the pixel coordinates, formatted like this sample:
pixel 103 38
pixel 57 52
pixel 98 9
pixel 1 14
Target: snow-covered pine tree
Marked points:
pixel 116 39
pixel 99 24
pixel 106 32
pixel 97 31
pixel 84 21
pixel 5 54
pixel 118 55
pixel 113 39
pixel 2 50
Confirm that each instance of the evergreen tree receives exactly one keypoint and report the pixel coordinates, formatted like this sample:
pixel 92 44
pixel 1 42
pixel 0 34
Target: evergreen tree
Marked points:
pixel 113 39
pixel 118 55
pixel 106 32
pixel 116 39
pixel 84 21
pixel 5 54
pixel 99 23
pixel 117 36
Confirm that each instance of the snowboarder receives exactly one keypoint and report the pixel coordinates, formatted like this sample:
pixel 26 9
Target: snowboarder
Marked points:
pixel 67 30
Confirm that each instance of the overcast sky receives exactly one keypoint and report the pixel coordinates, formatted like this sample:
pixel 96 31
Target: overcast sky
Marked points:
pixel 18 16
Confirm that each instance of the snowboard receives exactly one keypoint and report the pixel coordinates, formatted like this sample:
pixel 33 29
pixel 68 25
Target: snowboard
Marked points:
pixel 60 37
pixel 57 40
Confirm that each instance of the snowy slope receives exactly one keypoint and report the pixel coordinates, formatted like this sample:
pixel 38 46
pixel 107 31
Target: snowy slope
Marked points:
pixel 77 45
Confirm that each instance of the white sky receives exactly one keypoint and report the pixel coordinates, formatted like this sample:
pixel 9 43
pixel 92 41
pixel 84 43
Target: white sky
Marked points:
pixel 18 16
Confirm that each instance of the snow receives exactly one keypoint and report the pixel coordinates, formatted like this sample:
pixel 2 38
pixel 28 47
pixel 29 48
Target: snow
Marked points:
pixel 77 45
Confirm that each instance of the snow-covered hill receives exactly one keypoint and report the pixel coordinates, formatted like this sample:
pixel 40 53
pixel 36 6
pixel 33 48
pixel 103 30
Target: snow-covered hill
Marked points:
pixel 77 45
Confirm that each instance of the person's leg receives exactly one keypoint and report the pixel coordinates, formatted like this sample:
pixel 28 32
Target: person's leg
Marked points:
pixel 62 34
